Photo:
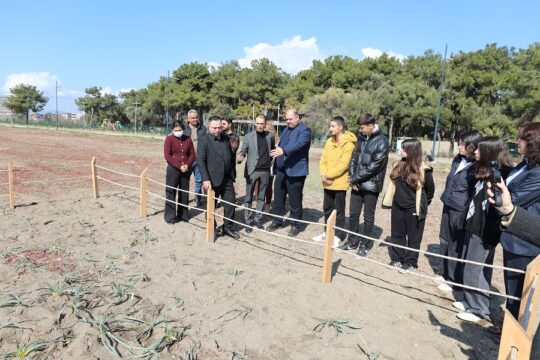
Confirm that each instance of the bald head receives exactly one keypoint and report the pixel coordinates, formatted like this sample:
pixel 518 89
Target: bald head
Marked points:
pixel 293 118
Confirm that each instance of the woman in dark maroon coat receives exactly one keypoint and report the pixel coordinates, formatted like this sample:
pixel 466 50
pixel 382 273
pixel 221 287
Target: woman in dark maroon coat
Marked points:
pixel 180 154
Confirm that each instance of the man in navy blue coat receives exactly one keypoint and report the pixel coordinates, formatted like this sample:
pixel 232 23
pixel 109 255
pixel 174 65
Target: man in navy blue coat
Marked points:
pixel 291 168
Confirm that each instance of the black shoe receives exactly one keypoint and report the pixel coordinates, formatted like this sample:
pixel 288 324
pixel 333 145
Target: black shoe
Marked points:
pixel 294 231
pixel 258 225
pixel 273 227
pixel 395 263
pixel 248 230
pixel 231 233
pixel 362 251
pixel 170 222
pixel 349 245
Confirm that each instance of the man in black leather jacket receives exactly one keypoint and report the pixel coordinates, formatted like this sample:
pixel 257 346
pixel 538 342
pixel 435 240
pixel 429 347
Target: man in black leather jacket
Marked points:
pixel 366 170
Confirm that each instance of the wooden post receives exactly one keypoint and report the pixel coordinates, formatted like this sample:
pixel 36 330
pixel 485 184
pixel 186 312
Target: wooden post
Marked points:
pixel 328 250
pixel 94 178
pixel 515 342
pixel 531 284
pixel 210 221
pixel 11 180
pixel 144 195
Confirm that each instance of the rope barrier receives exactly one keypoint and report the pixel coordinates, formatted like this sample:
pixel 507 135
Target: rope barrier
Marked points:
pixel 53 180
pixel 117 172
pixel 56 168
pixel 432 254
pixel 2 184
pixel 270 233
pixel 371 260
pixel 430 277
pixel 115 183
pixel 174 202
pixel 172 187
pixel 272 215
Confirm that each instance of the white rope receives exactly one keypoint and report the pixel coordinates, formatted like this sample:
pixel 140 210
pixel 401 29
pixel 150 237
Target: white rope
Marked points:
pixel 172 187
pixel 429 277
pixel 370 260
pixel 55 168
pixel 2 184
pixel 118 172
pixel 174 202
pixel 432 254
pixel 112 182
pixel 4 170
pixel 53 180
pixel 270 233
pixel 272 215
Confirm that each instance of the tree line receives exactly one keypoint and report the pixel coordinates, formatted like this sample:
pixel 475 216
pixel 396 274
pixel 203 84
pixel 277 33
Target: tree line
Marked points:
pixel 492 90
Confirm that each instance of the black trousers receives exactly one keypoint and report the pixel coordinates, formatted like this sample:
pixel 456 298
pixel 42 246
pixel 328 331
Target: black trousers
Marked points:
pixel 178 180
pixel 367 200
pixel 335 199
pixel 514 281
pixel 452 237
pixel 226 192
pixel 406 230
pixel 294 188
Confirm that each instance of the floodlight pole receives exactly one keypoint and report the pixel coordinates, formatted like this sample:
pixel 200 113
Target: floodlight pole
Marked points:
pixel 441 90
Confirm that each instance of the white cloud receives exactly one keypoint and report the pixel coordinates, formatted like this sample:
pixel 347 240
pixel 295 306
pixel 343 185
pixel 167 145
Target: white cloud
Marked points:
pixel 375 53
pixel 292 55
pixel 44 81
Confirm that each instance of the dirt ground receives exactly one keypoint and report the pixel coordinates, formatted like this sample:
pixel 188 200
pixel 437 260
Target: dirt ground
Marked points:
pixel 88 279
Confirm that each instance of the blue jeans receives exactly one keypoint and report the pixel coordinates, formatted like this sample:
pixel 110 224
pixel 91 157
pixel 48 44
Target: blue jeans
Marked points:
pixel 198 178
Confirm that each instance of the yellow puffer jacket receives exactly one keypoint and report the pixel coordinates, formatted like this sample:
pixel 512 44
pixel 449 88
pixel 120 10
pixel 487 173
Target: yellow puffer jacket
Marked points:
pixel 335 160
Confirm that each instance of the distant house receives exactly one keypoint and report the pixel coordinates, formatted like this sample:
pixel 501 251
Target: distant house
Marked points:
pixel 4 111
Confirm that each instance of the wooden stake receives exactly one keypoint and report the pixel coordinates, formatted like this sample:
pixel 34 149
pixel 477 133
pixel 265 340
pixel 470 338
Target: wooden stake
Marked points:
pixel 144 195
pixel 530 295
pixel 515 342
pixel 328 250
pixel 11 180
pixel 94 178
pixel 210 221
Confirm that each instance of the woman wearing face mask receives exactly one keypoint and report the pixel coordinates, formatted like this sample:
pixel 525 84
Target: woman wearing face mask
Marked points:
pixel 179 154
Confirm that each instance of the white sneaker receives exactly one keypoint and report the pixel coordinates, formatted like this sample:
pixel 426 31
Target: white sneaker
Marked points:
pixel 336 241
pixel 445 288
pixel 469 316
pixel 319 238
pixel 460 305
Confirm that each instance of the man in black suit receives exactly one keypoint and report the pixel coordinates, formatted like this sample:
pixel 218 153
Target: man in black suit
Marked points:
pixel 217 164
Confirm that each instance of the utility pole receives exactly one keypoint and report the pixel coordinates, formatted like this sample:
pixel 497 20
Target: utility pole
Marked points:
pixel 56 86
pixel 168 100
pixel 441 90
pixel 136 103
pixel 277 126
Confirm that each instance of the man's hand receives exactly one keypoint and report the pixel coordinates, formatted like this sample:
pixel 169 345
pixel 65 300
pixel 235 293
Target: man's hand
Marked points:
pixel 507 205
pixel 239 159
pixel 276 152
pixel 206 185
pixel 355 187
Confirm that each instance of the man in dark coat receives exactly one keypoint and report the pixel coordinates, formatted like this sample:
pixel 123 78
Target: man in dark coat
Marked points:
pixel 217 164
pixel 366 172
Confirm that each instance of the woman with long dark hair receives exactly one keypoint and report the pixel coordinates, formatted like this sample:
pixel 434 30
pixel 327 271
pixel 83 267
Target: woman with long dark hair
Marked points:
pixel 460 179
pixel 409 194
pixel 482 229
pixel 524 186
pixel 179 153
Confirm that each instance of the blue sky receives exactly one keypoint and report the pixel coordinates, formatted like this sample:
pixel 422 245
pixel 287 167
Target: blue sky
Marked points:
pixel 128 44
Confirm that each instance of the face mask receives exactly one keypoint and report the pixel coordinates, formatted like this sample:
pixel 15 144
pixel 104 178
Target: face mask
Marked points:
pixel 178 133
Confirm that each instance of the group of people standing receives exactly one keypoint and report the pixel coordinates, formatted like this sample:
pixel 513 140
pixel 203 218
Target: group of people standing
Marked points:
pixel 471 227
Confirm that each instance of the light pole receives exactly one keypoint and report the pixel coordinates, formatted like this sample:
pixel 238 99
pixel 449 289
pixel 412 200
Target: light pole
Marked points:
pixel 56 87
pixel 169 92
pixel 441 90
pixel 136 103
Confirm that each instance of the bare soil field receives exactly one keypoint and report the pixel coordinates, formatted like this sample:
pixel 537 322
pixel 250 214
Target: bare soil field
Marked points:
pixel 88 279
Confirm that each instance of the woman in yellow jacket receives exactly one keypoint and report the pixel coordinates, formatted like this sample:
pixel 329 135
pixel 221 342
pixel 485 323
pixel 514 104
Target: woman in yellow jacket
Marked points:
pixel 334 169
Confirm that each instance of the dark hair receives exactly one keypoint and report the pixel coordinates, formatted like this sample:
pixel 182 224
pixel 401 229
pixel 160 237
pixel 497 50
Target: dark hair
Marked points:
pixel 411 166
pixel 340 121
pixel 227 119
pixel 214 118
pixel 530 133
pixel 179 124
pixel 365 119
pixel 470 139
pixel 492 148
